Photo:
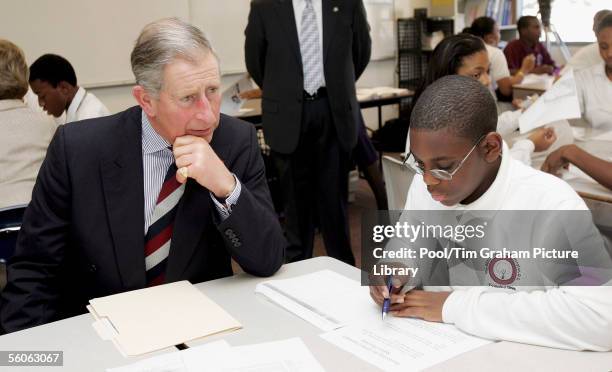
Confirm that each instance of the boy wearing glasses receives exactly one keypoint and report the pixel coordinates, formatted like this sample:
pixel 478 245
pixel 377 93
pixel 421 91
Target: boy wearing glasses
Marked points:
pixel 461 165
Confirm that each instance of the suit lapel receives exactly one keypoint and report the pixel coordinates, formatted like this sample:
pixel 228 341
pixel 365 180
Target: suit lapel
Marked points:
pixel 331 9
pixel 123 185
pixel 286 16
pixel 193 217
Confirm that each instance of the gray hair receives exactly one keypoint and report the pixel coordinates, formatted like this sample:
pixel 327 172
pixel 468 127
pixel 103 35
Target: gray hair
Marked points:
pixel 159 43
pixel 13 71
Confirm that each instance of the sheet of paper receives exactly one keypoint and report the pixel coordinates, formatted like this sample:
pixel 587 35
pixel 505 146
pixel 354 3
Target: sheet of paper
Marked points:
pixel 289 355
pixel 557 103
pixel 324 298
pixel 231 102
pixel 158 317
pixel 543 80
pixel 379 92
pixel 403 344
pixel 189 360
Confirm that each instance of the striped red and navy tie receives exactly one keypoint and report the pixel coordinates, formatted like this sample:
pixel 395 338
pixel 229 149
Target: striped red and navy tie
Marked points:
pixel 159 233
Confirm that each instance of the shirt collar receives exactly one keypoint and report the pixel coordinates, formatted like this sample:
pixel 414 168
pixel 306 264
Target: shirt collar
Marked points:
pixel 493 198
pixel 9 104
pixel 151 140
pixel 74 105
pixel 600 69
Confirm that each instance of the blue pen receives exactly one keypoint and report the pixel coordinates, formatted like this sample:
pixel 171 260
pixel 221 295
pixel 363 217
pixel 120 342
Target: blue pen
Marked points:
pixel 387 301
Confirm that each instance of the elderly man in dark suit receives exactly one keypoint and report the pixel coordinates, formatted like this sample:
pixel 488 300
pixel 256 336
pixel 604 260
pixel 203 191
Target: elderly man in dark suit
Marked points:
pixel 111 213
pixel 306 56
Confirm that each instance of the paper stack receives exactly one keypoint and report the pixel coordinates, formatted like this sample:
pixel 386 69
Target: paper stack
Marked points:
pixel 155 318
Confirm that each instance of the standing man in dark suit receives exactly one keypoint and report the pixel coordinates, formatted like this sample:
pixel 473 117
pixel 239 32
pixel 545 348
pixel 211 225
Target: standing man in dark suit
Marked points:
pixel 105 181
pixel 306 56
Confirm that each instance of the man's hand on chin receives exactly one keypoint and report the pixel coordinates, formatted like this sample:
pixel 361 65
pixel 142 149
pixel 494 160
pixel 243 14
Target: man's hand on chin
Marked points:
pixel 196 159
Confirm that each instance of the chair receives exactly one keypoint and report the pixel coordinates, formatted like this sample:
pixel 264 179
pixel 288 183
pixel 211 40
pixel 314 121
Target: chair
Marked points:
pixel 398 178
pixel 10 224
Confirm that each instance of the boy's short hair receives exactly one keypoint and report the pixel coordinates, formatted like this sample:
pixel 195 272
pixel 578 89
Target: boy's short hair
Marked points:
pixel 53 69
pixel 604 23
pixel 458 103
pixel 524 22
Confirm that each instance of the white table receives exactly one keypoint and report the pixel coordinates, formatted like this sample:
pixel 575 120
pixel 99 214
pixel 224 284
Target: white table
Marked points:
pixel 264 321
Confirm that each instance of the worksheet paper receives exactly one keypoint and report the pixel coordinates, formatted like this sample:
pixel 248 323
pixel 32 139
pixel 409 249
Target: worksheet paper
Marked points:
pixel 557 103
pixel 343 308
pixel 289 355
pixel 403 344
pixel 324 298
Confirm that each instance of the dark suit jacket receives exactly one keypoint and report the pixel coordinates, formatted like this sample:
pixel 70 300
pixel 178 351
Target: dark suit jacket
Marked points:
pixel 273 58
pixel 83 233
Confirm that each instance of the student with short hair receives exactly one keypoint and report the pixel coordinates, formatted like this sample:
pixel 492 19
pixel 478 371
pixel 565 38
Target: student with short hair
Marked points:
pixel 487 29
pixel 466 55
pixel 594 84
pixel 462 167
pixel 528 43
pixel 54 81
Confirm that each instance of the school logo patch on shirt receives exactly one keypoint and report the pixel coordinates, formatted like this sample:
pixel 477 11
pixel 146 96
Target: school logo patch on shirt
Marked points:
pixel 503 272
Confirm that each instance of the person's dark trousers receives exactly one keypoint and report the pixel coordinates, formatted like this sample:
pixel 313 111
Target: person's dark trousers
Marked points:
pixel 314 179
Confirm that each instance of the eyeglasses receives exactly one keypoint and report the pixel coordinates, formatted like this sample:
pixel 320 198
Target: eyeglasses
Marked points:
pixel 440 174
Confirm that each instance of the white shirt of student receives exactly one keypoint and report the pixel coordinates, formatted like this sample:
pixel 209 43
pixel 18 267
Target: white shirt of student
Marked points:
pixel 298 9
pixel 85 105
pixel 585 57
pixel 563 317
pixel 498 66
pixel 595 96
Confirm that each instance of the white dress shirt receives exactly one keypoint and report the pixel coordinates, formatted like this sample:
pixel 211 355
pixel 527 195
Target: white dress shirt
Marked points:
pixel 595 96
pixel 298 9
pixel 563 317
pixel 585 57
pixel 85 105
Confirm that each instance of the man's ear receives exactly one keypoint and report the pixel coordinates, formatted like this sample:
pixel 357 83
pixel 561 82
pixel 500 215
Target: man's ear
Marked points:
pixel 492 145
pixel 145 100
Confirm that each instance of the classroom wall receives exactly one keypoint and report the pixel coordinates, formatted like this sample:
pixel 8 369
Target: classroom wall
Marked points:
pixel 378 73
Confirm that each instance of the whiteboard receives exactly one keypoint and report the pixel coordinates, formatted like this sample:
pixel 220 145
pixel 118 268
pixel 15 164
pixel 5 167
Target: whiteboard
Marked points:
pixel 381 18
pixel 96 36
pixel 223 22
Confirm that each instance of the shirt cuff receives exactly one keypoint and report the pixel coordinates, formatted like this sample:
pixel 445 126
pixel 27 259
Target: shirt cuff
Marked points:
pixel 525 144
pixel 452 306
pixel 225 209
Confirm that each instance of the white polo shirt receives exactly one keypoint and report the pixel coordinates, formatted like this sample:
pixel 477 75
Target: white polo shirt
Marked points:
pixel 563 317
pixel 595 96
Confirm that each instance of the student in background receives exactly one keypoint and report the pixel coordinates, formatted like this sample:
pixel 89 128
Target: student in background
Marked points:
pixel 54 81
pixel 589 55
pixel 594 84
pixel 454 134
pixel 24 133
pixel 599 169
pixel 528 43
pixel 466 55
pixel 487 29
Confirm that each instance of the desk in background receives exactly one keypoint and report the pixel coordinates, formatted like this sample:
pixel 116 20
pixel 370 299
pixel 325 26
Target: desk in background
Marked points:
pixel 252 108
pixel 532 84
pixel 265 321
